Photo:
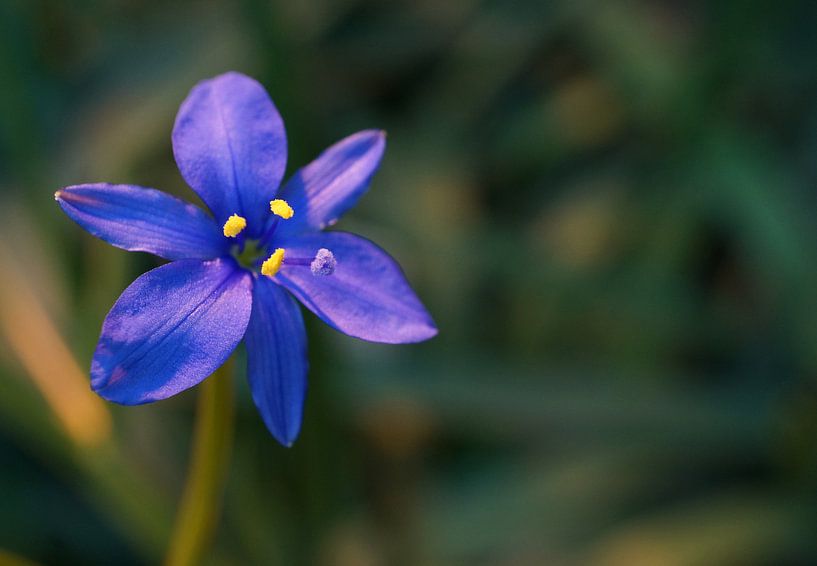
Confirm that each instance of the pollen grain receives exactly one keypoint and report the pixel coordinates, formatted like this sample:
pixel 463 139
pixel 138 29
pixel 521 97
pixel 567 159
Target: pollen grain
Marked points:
pixel 281 208
pixel 234 225
pixel 273 263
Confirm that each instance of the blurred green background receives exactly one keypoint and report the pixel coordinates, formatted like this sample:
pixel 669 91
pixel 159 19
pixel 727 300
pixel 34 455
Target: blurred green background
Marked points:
pixel 607 206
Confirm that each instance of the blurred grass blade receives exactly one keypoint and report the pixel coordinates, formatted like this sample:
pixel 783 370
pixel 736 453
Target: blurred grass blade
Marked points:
pixel 48 362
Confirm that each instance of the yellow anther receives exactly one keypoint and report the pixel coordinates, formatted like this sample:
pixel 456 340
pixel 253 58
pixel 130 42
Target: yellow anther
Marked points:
pixel 234 225
pixel 273 263
pixel 281 208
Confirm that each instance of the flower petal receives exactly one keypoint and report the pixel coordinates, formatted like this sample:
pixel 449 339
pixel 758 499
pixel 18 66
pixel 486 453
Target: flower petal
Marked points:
pixel 231 148
pixel 144 220
pixel 329 186
pixel 170 329
pixel 276 359
pixel 367 296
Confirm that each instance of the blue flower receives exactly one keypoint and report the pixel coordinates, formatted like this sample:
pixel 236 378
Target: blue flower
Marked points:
pixel 234 275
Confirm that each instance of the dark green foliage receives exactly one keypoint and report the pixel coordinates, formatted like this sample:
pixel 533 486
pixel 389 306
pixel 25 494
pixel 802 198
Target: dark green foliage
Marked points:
pixel 608 207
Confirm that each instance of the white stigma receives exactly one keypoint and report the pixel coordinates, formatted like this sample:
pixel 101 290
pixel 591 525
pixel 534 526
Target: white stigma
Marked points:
pixel 324 263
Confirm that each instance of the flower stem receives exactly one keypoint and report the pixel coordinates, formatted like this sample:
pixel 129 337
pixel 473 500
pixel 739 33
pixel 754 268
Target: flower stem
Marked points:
pixel 200 505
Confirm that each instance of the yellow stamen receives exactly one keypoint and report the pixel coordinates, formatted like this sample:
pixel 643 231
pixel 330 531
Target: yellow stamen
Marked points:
pixel 281 208
pixel 271 266
pixel 234 225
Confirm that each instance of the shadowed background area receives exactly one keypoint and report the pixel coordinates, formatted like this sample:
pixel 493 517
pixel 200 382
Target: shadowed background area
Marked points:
pixel 607 206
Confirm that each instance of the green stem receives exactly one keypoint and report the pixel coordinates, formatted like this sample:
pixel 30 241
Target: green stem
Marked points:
pixel 200 505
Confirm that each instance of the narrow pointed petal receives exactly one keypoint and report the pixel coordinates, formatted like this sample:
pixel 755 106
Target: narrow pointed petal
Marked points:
pixel 173 327
pixel 367 296
pixel 329 186
pixel 231 148
pixel 144 220
pixel 276 359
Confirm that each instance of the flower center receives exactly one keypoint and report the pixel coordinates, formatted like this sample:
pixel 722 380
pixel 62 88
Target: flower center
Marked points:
pixel 248 253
